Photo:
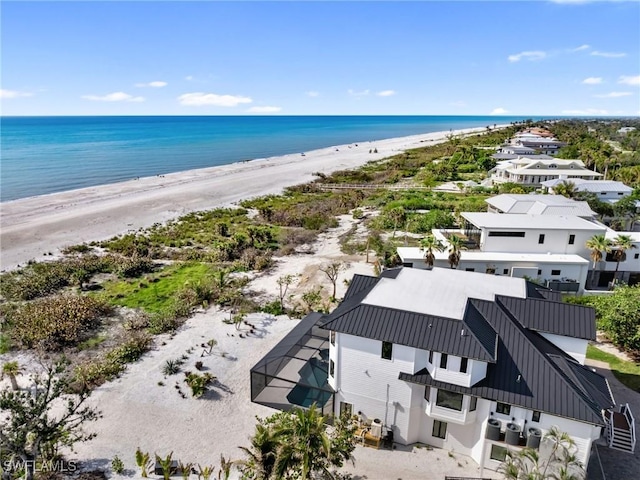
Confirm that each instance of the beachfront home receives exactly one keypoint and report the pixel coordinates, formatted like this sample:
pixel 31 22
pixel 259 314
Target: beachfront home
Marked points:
pixel 544 145
pixel 532 171
pixel 475 364
pixel 549 249
pixel 608 270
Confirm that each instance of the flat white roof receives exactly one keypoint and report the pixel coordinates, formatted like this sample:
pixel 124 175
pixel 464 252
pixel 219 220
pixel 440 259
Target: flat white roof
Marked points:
pixel 595 186
pixel 529 222
pixel 539 204
pixel 611 234
pixel 450 287
pixel 416 254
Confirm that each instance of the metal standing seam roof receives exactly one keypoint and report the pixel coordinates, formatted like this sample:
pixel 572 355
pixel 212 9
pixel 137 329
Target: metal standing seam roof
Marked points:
pixel 552 317
pixel 528 371
pixel 427 332
pixel 529 221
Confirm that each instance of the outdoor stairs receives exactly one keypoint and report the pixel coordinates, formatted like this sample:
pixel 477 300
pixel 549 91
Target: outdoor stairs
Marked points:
pixel 621 429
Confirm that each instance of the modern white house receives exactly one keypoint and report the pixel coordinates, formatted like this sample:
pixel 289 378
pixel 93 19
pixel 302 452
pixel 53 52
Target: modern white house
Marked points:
pixel 549 249
pixel 608 270
pixel 543 145
pixel 532 171
pixel 471 363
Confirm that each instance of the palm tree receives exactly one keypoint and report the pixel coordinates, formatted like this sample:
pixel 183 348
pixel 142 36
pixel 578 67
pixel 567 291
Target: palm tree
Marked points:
pixel 566 189
pixel 622 243
pixel 428 244
pixel 455 246
pixel 308 445
pixel 262 453
pixel 11 370
pixel 598 245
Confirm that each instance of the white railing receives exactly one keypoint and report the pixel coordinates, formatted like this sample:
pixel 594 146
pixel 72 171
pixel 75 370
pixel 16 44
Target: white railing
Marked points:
pixel 626 411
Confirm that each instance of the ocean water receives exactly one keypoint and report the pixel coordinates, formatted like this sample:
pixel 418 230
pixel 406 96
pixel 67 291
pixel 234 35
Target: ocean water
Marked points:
pixel 41 155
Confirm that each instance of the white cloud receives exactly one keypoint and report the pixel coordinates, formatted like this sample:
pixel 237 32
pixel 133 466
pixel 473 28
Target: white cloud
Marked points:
pixel 265 109
pixel 458 103
pixel 530 55
pixel 581 48
pixel 156 84
pixel 597 53
pixel 386 93
pixel 361 93
pixel 313 94
pixel 189 77
pixel 499 111
pixel 629 80
pixel 114 97
pixel 587 111
pixel 14 94
pixel 614 95
pixel 592 81
pixel 199 99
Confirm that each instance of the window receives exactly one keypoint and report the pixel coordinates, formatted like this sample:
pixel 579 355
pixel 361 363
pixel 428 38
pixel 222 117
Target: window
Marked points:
pixel 473 404
pixel 332 367
pixel 346 408
pixel 636 256
pixel 439 429
pixel 427 393
pixel 332 337
pixel 541 238
pixel 498 453
pixel 387 350
pixel 505 271
pixel 536 416
pixel 431 356
pixel 620 193
pixel 463 365
pixel 447 399
pixel 469 269
pixel 503 408
pixel 539 272
pixel 490 270
pixel 506 234
pixel 611 257
pixel 555 272
pixel 572 239
pixel 443 360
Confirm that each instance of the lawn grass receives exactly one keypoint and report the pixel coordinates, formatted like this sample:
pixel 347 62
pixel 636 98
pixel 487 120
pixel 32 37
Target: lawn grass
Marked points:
pixel 154 292
pixel 627 372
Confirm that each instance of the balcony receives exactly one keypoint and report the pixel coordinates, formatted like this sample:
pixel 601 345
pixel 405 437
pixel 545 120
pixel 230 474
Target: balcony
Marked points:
pixel 470 237
pixel 563 285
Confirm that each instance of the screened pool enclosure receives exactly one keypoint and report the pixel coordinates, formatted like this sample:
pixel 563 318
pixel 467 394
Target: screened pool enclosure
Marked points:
pixel 294 373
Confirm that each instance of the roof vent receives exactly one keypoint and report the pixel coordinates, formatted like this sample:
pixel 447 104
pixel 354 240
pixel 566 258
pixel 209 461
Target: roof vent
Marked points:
pixel 519 378
pixel 462 333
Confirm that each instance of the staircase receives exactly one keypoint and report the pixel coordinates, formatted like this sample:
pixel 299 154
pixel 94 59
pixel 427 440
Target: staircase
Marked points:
pixel 621 429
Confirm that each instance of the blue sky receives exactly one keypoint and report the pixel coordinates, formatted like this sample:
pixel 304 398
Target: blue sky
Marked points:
pixel 562 57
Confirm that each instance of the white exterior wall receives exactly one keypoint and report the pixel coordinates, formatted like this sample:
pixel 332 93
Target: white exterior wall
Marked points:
pixel 576 347
pixel 370 383
pixel 476 370
pixel 630 264
pixel 555 241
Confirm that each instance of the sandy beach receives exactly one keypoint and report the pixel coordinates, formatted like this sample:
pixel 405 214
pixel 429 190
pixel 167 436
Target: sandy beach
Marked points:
pixel 33 227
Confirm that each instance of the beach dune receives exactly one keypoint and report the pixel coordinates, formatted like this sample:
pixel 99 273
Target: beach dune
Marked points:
pixel 31 228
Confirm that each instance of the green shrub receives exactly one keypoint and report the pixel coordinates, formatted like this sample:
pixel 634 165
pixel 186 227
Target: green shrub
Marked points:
pixel 54 322
pixel 117 465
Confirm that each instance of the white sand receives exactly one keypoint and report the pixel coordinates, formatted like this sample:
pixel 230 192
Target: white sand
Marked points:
pixel 32 227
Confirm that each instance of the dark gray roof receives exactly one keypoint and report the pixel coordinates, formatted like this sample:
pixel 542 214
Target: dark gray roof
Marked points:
pixel 359 283
pixel 524 368
pixel 531 373
pixel 552 317
pixel 537 291
pixel 427 332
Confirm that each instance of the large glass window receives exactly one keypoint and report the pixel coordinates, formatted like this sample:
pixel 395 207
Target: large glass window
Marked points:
pixel 450 400
pixel 387 350
pixel 536 416
pixel 439 429
pixel 498 453
pixel 464 364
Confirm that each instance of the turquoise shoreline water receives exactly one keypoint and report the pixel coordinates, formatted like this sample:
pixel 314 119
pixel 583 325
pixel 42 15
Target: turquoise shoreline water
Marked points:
pixel 42 155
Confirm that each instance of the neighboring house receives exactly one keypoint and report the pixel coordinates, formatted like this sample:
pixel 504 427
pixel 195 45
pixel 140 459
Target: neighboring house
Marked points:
pixel 532 171
pixel 545 145
pixel 629 269
pixel 605 190
pixel 537 204
pixel 626 130
pixel 475 364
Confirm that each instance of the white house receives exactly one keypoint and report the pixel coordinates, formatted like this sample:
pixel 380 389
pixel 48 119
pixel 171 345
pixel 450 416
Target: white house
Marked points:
pixel 543 145
pixel 472 363
pixel 608 270
pixel 532 171
pixel 605 190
